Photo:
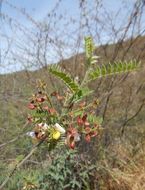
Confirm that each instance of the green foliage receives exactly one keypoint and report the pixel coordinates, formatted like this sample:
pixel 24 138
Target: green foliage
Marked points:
pixel 93 72
pixel 91 59
pixel 82 93
pixel 22 178
pixel 89 47
pixel 95 119
pixel 65 77
pixel 66 172
pixel 111 69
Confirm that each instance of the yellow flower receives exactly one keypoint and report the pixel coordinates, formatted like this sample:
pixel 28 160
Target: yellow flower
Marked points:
pixel 56 135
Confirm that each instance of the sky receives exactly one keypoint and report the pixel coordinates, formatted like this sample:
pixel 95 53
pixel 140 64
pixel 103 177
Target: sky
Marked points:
pixel 38 9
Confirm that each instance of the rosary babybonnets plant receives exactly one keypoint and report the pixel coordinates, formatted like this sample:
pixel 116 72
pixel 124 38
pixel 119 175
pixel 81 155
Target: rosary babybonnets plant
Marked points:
pixel 66 117
pixel 76 120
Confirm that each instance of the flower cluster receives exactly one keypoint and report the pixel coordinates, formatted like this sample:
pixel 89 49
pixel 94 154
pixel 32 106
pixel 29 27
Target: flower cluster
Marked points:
pixel 41 131
pixel 88 130
pixel 52 125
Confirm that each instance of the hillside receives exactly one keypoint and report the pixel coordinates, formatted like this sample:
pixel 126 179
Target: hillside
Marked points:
pixel 121 99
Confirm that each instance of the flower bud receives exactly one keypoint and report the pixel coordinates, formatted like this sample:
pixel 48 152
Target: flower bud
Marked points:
pixel 59 128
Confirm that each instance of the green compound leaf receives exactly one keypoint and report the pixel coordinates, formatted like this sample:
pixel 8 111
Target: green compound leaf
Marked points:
pixel 111 69
pixel 95 119
pixel 65 77
pixel 89 47
pixel 79 95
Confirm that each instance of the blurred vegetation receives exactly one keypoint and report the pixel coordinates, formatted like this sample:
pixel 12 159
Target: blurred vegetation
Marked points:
pixel 116 161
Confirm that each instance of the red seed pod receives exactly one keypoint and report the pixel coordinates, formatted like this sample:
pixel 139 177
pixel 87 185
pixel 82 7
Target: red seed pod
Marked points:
pixel 31 106
pixel 87 130
pixel 71 141
pixel 40 99
pixel 88 138
pixel 94 133
pixel 72 145
pixel 45 108
pixel 86 124
pixel 80 121
pixel 71 130
pixel 84 118
pixel 52 111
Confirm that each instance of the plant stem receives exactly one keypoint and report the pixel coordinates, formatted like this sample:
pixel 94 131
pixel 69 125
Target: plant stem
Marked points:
pixel 19 164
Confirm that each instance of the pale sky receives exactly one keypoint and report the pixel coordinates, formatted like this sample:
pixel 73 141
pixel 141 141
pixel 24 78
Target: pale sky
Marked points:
pixel 38 9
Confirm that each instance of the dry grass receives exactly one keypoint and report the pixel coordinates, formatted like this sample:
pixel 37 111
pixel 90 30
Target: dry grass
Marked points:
pixel 126 172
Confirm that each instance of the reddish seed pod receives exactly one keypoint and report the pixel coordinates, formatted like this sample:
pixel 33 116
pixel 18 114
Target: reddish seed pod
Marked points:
pixel 40 99
pixel 84 118
pixel 71 141
pixel 94 133
pixel 88 138
pixel 31 106
pixel 46 108
pixel 87 129
pixel 72 145
pixel 52 111
pixel 80 121
pixel 86 124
